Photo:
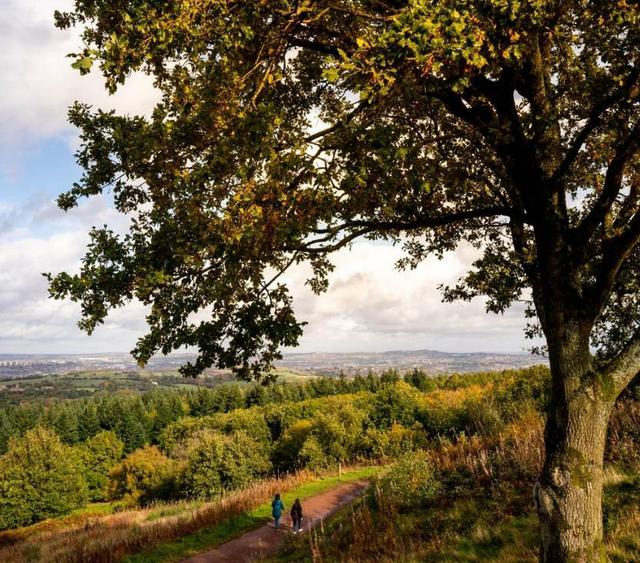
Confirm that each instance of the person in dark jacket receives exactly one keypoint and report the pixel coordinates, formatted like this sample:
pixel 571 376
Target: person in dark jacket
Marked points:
pixel 296 516
pixel 277 508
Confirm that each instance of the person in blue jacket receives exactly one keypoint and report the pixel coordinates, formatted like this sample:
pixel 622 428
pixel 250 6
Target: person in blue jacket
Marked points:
pixel 277 508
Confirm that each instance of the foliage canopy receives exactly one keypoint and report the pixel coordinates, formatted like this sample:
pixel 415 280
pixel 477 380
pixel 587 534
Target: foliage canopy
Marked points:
pixel 40 478
pixel 286 130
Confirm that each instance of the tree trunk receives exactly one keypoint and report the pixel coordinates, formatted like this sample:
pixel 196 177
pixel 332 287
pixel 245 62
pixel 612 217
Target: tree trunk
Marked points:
pixel 569 493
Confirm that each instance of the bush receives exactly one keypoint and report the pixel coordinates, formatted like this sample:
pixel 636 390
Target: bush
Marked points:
pixel 311 455
pixel 217 462
pixel 392 443
pixel 286 452
pixel 176 437
pixel 473 462
pixel 338 434
pixel 394 403
pixel 100 454
pixel 143 476
pixel 444 413
pixel 40 478
pixel 411 483
pixel 480 416
pixel 325 439
pixel 526 388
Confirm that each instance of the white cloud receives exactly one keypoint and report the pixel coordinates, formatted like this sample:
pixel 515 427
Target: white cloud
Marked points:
pixel 40 213
pixel 38 83
pixel 47 240
pixel 370 306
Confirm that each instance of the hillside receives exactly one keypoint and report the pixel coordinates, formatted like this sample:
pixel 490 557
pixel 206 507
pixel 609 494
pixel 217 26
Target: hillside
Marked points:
pixel 14 366
pixel 431 361
pixel 452 461
pixel 83 384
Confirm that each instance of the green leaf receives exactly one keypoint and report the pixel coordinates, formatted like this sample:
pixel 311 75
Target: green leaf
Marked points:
pixel 83 64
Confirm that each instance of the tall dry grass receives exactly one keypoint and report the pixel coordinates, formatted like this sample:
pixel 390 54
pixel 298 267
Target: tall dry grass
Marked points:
pixel 623 440
pixel 515 453
pixel 109 538
pixel 504 465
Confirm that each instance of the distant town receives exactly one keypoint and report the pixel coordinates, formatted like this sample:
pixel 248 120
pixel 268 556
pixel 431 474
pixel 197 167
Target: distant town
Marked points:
pixel 318 363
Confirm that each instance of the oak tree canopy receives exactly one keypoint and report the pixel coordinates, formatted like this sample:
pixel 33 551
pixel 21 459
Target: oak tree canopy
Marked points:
pixel 288 129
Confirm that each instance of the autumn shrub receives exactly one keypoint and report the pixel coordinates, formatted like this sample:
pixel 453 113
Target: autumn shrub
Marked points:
pixel 393 442
pixel 323 440
pixel 480 415
pixel 40 477
pixel 338 433
pixel 281 416
pixel 177 435
pixel 394 404
pixel 311 455
pixel 245 421
pixel 412 482
pixel 286 451
pixel 144 476
pixel 520 391
pixel 218 462
pixel 516 453
pixel 100 454
pixel 444 413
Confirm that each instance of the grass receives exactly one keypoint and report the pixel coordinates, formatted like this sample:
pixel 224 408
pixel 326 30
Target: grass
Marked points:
pixel 95 508
pixel 467 529
pixel 300 547
pixel 516 539
pixel 622 519
pixel 483 512
pixel 52 525
pixel 210 538
pixel 110 537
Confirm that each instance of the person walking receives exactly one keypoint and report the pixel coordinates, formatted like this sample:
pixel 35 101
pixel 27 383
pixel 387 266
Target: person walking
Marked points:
pixel 277 508
pixel 296 516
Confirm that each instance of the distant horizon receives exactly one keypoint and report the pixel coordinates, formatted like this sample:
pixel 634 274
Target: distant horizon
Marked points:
pixel 390 351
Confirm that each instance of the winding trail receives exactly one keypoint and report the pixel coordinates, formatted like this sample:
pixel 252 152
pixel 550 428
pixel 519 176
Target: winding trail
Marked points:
pixel 266 540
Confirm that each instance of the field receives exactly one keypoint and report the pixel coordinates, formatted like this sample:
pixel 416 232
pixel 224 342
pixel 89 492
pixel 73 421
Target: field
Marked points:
pixel 83 384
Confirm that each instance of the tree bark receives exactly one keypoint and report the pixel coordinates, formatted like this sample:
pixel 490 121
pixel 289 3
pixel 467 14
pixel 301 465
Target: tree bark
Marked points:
pixel 569 493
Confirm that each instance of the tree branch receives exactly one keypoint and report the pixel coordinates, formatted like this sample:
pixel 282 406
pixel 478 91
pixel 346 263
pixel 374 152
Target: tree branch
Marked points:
pixel 630 207
pixel 611 187
pixel 615 254
pixel 366 227
pixel 308 247
pixel 362 14
pixel 328 130
pixel 594 120
pixel 316 46
pixel 440 221
pixel 626 365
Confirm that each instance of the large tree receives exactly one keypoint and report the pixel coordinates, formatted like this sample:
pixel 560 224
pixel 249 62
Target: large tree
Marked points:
pixel 289 128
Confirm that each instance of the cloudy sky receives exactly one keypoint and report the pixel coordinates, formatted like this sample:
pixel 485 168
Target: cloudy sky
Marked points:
pixel 369 307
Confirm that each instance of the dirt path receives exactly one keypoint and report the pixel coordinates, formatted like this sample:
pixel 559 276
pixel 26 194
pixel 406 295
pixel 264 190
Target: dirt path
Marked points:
pixel 266 541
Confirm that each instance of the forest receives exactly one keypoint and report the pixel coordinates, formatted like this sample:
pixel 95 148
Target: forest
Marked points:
pixel 476 437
